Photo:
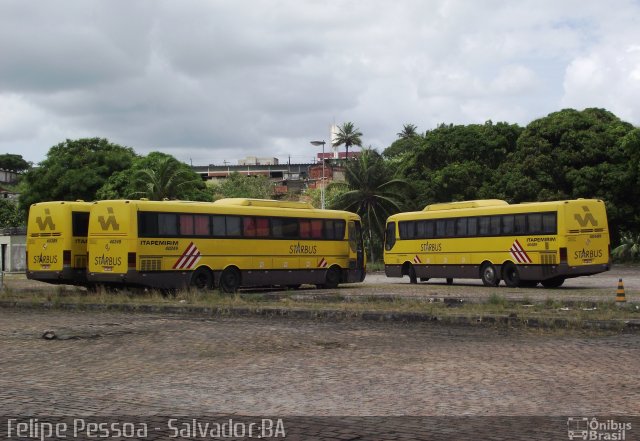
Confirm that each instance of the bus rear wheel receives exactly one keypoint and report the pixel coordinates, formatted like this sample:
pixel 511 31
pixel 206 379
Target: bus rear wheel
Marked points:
pixel 511 275
pixel 230 280
pixel 556 282
pixel 332 279
pixel 489 275
pixel 201 279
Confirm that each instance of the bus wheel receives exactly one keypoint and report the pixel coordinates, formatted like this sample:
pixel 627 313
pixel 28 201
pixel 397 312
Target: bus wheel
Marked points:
pixel 201 279
pixel 332 279
pixel 413 279
pixel 556 282
pixel 511 275
pixel 489 275
pixel 449 281
pixel 230 280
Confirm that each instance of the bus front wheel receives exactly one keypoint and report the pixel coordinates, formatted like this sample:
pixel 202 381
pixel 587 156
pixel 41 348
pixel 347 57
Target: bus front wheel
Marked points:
pixel 489 275
pixel 511 275
pixel 413 279
pixel 230 280
pixel 201 279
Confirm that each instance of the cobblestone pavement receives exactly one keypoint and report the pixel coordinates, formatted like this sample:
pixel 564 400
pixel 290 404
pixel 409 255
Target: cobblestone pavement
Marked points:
pixel 119 364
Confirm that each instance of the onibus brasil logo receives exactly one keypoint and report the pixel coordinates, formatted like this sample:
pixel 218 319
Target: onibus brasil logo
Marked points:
pixel 594 429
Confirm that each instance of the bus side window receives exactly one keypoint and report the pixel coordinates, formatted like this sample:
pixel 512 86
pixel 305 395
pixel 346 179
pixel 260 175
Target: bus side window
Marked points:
pixel 450 228
pixel 167 224
pixel 329 232
pixel 461 226
pixel 340 229
pixel 421 229
pixel 201 224
pixel 549 223
pixel 186 224
pixel 316 229
pixel 507 224
pixel 483 225
pixel 520 224
pixel 390 236
pixel 147 224
pixel 219 229
pixel 429 230
pixel 248 226
pixel 472 226
pixel 535 223
pixel 440 227
pixel 305 228
pixel 233 226
pixel 495 226
pixel 262 227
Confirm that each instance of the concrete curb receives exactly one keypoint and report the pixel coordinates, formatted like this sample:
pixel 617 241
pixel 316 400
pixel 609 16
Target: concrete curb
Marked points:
pixel 330 314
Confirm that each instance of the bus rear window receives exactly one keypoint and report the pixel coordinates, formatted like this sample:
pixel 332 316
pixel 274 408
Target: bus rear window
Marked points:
pixel 80 223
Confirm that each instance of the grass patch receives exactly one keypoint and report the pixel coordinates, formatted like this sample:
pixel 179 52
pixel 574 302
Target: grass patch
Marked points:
pixel 496 304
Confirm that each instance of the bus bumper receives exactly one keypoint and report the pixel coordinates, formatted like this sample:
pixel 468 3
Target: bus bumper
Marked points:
pixel 546 272
pixel 159 280
pixel 67 276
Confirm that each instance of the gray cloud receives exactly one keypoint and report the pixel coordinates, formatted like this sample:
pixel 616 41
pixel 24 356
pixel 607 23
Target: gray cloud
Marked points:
pixel 209 81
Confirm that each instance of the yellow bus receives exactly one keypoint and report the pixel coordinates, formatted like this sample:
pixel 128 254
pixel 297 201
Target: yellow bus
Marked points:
pixel 228 244
pixel 523 244
pixel 57 242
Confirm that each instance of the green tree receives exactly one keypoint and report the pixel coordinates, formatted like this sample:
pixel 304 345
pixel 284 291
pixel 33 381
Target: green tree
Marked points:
pixel 74 169
pixel 11 215
pixel 576 154
pixel 13 162
pixel 348 136
pixel 370 193
pixel 243 186
pixel 629 248
pixel 408 131
pixel 452 163
pixel 330 195
pixel 155 176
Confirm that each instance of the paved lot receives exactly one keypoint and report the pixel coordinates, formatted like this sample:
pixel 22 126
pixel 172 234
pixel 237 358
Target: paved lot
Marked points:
pixel 141 365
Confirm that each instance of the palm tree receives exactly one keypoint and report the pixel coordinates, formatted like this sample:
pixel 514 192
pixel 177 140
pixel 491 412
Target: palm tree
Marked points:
pixel 347 135
pixel 408 131
pixel 629 248
pixel 370 193
pixel 167 179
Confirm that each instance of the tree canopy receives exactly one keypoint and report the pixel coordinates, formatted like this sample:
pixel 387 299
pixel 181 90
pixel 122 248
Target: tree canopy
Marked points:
pixel 348 136
pixel 155 176
pixel 74 169
pixel 9 161
pixel 243 186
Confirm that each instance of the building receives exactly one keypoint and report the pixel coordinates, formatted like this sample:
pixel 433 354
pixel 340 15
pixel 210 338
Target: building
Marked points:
pixel 13 249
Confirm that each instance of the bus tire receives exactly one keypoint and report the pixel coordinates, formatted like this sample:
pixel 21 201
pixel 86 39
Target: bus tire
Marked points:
pixel 449 281
pixel 556 282
pixel 201 279
pixel 413 279
pixel 332 278
pixel 230 280
pixel 511 275
pixel 489 275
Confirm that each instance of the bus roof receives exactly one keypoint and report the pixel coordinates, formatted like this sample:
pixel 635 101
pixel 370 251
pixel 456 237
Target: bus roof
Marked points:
pixel 485 207
pixel 465 204
pixel 247 202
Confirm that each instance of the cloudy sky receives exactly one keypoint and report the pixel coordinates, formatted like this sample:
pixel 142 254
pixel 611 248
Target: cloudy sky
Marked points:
pixel 216 80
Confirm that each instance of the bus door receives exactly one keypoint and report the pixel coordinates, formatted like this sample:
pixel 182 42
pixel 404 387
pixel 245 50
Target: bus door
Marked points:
pixel 356 244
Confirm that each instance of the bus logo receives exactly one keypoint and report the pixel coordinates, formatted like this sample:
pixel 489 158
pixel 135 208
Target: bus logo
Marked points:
pixel 109 222
pixel 518 253
pixel 189 258
pixel 48 221
pixel 587 219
